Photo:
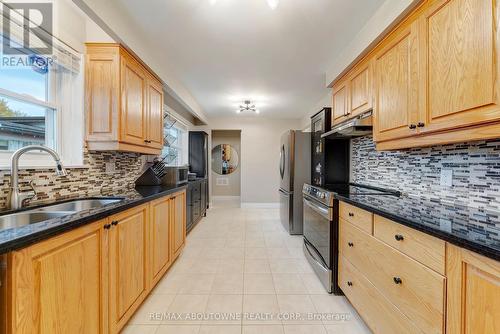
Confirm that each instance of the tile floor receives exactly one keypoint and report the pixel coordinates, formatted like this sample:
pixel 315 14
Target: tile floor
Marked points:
pixel 241 273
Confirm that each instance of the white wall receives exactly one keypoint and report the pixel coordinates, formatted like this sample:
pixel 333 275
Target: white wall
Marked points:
pixel 326 101
pixel 381 21
pixel 260 139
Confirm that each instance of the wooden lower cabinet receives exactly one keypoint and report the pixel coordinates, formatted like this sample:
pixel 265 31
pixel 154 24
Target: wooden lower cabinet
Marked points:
pixel 92 279
pixel 178 208
pixel 128 260
pixel 404 281
pixel 473 292
pixel 160 236
pixel 59 285
pixel 379 313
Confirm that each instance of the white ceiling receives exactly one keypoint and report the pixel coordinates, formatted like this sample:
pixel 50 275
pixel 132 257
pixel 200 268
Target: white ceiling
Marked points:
pixel 239 49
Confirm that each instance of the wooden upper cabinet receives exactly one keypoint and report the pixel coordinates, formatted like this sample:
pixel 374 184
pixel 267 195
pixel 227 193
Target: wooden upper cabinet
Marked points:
pixel 134 113
pixel 123 102
pixel 459 41
pixel 473 302
pixel 340 102
pixel 360 89
pixel 396 86
pixel 352 95
pixel 59 285
pixel 128 264
pixel 155 113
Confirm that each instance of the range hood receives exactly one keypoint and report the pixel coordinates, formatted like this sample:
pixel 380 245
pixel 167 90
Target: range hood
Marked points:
pixel 356 127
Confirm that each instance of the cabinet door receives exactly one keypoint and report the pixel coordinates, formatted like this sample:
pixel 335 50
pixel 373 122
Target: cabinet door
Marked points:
pixel 133 108
pixel 155 114
pixel 340 102
pixel 59 285
pixel 460 45
pixel 128 256
pixel 102 93
pixel 178 207
pixel 160 217
pixel 203 194
pixel 360 90
pixel 473 292
pixel 396 86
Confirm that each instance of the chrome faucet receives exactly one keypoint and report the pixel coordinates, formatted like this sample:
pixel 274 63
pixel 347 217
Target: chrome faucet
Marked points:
pixel 16 197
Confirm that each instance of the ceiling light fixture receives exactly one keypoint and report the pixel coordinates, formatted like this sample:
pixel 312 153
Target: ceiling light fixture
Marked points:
pixel 248 107
pixel 273 4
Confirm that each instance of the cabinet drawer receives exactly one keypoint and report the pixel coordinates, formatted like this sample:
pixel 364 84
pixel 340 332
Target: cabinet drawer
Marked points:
pixel 412 287
pixel 417 245
pixel 356 216
pixel 371 304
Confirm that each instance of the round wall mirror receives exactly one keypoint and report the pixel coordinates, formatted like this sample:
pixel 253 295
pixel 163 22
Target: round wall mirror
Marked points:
pixel 224 159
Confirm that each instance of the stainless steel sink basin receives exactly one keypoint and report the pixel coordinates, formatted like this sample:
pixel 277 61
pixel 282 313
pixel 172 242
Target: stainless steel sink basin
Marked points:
pixel 80 204
pixel 27 217
pixel 52 211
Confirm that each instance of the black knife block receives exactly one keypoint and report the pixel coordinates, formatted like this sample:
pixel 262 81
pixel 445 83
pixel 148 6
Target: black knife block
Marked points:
pixel 148 178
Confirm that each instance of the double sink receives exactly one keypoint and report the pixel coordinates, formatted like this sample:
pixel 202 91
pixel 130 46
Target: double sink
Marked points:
pixel 57 210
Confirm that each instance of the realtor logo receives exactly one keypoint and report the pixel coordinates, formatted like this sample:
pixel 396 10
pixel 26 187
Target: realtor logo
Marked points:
pixel 36 32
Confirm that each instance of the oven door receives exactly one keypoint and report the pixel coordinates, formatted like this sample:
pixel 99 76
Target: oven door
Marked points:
pixel 317 229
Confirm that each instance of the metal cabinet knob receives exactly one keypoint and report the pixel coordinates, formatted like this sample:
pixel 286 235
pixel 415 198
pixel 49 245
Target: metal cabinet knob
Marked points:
pixel 397 280
pixel 351 214
pixel 421 124
pixel 114 222
pixel 412 126
pixel 349 283
pixel 399 237
pixel 350 244
pixel 107 226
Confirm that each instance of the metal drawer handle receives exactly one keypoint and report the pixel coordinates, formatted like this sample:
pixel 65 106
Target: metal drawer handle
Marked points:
pixel 397 280
pixel 399 237
pixel 349 283
pixel 350 244
pixel 351 214
pixel 412 126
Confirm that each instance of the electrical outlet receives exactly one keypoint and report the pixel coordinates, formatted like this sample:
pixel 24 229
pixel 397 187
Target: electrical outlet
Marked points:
pixel 110 167
pixel 447 177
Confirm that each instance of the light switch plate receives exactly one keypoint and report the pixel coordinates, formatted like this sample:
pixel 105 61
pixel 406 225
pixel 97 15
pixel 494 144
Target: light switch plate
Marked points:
pixel 110 167
pixel 447 177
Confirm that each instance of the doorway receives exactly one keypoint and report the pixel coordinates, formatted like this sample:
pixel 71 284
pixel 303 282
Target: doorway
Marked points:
pixel 226 165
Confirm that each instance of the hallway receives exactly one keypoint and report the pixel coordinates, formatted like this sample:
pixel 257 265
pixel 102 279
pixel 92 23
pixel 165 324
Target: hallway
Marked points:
pixel 240 272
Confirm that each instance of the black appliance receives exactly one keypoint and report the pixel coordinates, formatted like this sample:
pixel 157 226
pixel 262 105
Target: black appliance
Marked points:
pixel 329 157
pixel 321 227
pixel 198 153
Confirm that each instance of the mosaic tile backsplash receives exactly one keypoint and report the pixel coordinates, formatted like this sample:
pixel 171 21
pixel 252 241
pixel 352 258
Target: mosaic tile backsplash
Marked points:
pixel 417 172
pixel 90 181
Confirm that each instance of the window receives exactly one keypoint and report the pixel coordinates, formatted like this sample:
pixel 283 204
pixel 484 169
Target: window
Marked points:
pixel 41 98
pixel 175 142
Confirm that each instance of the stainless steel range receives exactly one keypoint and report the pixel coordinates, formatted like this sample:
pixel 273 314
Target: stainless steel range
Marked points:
pixel 321 217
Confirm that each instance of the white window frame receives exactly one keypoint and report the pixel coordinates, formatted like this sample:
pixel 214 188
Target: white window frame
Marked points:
pixel 68 138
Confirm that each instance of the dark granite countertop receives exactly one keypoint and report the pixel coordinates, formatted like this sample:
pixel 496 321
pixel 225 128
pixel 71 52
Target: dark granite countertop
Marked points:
pixel 19 237
pixel 476 229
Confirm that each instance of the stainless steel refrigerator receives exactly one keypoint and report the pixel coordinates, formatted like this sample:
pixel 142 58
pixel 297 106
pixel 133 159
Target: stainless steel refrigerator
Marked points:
pixel 295 170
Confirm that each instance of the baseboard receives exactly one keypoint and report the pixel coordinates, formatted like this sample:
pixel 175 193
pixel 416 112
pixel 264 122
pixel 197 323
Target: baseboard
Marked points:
pixel 225 198
pixel 250 205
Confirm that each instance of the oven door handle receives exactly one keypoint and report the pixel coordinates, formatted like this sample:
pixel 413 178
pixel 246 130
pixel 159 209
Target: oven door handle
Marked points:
pixel 318 258
pixel 324 212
